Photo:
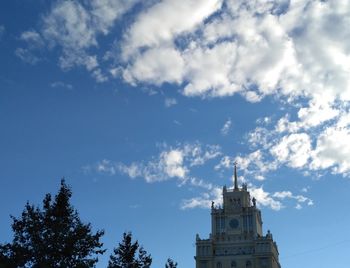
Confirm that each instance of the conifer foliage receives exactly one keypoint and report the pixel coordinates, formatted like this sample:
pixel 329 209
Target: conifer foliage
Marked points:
pixel 170 263
pixel 53 236
pixel 129 255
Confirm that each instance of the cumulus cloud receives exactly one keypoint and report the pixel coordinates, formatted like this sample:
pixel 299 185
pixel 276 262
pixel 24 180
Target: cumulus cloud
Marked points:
pixel 164 21
pixel 288 49
pixel 332 150
pixel 216 48
pixel 248 61
pixel 310 144
pixel 156 66
pixel 212 47
pixel 294 149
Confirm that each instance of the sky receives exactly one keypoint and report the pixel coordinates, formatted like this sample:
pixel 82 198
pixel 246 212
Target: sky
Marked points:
pixel 144 106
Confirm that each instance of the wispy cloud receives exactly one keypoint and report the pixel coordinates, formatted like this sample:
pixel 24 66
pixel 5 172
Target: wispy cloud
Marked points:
pixel 177 163
pixel 27 56
pixel 226 127
pixel 60 84
pixel 171 163
pixel 168 102
pixel 73 27
pixel 263 199
pixel 2 31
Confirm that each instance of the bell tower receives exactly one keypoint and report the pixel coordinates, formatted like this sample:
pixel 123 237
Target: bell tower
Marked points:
pixel 236 239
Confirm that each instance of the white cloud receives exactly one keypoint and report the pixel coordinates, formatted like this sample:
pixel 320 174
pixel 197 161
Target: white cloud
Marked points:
pixel 31 53
pixel 298 206
pixel 134 170
pixel 294 150
pixel 305 189
pixel 73 27
pixel 105 12
pixel 252 164
pixel 200 183
pixel 317 112
pixel 263 199
pixel 171 163
pixel 168 102
pixel 315 141
pixel 207 48
pixel 226 127
pixel 156 66
pixel 199 155
pixel 33 38
pixel 332 150
pixel 205 200
pixel 300 199
pixel 164 21
pixel 27 55
pixel 283 194
pixel 68 24
pixel 176 163
pixel 253 48
pixel 106 166
pixel 60 84
pixel 208 70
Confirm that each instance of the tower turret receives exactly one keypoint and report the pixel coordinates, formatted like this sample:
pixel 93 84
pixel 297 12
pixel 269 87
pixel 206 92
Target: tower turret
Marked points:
pixel 236 238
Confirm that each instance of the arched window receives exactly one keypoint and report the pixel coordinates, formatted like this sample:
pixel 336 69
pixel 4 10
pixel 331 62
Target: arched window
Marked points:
pixel 233 264
pixel 218 265
pixel 248 264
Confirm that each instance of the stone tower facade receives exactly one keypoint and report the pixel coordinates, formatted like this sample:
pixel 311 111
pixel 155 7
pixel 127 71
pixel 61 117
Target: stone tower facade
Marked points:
pixel 236 239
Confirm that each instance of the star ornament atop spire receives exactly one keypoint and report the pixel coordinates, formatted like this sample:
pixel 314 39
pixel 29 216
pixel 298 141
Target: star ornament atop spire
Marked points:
pixel 235 176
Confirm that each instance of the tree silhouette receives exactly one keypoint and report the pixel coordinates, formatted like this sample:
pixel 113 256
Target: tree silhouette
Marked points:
pixel 170 263
pixel 124 256
pixel 53 236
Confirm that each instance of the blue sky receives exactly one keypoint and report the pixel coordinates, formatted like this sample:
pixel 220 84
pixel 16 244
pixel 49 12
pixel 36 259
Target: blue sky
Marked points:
pixel 144 106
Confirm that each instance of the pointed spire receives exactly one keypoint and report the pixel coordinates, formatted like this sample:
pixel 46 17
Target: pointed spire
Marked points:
pixel 236 182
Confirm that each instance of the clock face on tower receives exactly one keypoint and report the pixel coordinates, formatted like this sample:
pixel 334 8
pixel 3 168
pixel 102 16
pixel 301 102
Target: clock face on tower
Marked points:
pixel 234 223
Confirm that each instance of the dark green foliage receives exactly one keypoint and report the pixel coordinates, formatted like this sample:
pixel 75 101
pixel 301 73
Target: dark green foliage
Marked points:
pixel 53 236
pixel 125 255
pixel 170 263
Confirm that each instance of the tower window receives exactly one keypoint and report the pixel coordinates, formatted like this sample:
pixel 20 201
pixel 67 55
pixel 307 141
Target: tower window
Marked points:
pixel 233 264
pixel 248 264
pixel 218 265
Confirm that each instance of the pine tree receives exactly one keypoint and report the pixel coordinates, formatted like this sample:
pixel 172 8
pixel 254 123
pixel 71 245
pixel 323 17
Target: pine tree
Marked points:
pixel 125 255
pixel 170 264
pixel 53 236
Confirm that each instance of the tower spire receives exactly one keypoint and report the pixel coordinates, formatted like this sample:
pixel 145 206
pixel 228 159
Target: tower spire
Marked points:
pixel 235 174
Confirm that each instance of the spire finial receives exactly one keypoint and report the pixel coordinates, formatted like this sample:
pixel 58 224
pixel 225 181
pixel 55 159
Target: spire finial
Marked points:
pixel 236 182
